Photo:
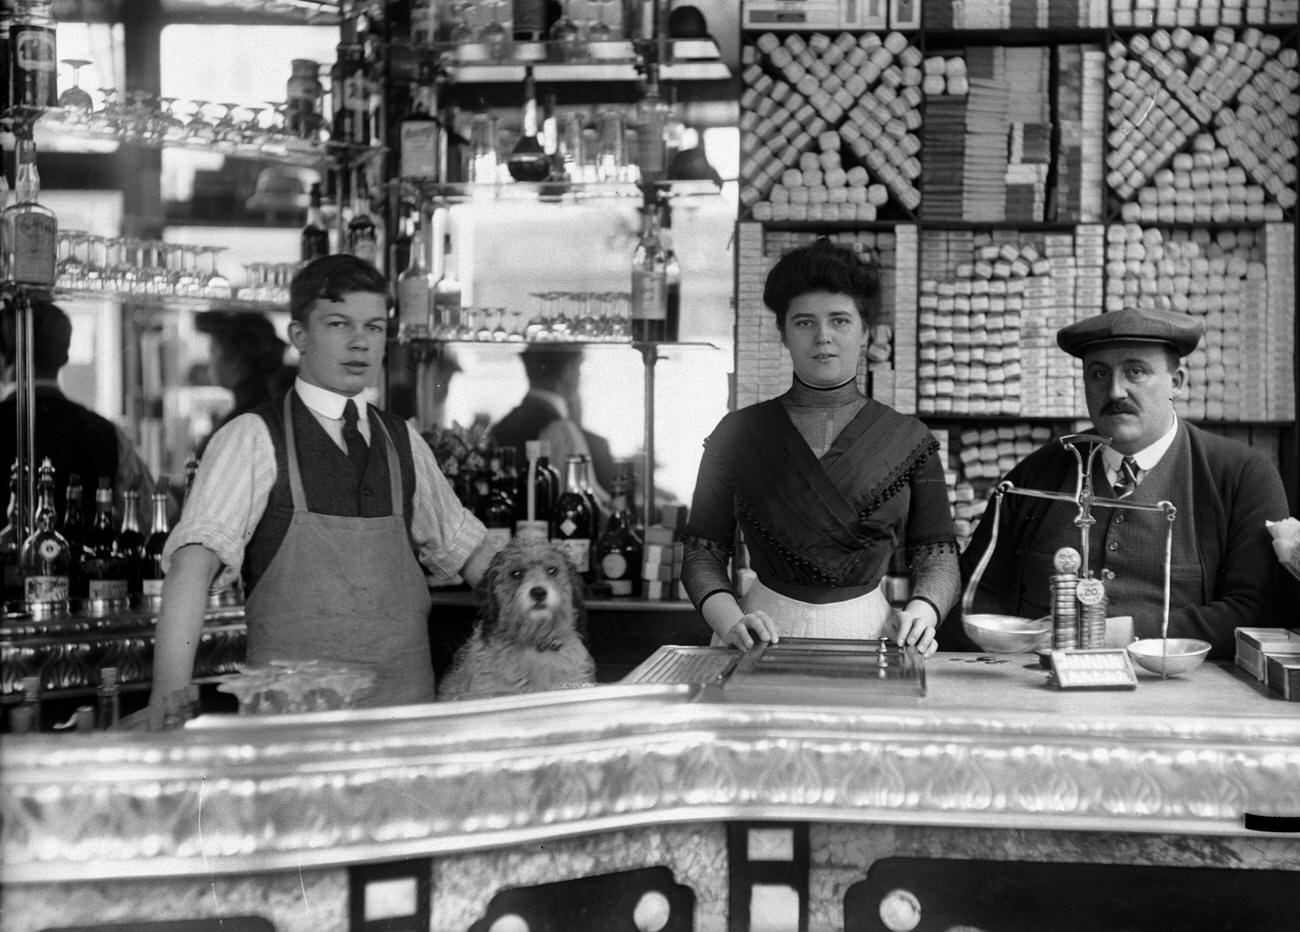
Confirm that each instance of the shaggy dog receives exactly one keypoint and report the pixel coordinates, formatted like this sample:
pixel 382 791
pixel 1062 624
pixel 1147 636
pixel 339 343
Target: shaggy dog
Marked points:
pixel 530 629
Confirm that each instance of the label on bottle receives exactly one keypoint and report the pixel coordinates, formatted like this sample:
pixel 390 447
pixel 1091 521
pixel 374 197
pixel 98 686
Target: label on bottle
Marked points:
pixel 151 587
pixel 419 149
pixel 107 589
pixel 413 296
pixel 649 295
pixel 614 566
pixel 577 549
pixel 38 589
pixel 35 238
pixel 34 61
pixel 531 530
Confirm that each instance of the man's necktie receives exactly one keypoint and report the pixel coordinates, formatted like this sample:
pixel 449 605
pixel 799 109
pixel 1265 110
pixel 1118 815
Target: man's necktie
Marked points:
pixel 1126 480
pixel 358 452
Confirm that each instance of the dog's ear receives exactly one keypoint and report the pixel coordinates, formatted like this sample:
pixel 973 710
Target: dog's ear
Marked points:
pixel 489 606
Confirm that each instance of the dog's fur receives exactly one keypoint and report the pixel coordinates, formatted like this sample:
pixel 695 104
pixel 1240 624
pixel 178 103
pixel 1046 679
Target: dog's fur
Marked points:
pixel 531 628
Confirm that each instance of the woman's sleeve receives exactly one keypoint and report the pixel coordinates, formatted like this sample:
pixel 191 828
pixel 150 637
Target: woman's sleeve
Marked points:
pixel 710 532
pixel 931 541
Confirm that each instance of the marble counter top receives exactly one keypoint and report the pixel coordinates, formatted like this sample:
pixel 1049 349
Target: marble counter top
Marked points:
pixel 989 745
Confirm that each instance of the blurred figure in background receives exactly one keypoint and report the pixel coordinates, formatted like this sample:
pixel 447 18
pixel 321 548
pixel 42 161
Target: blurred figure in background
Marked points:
pixel 75 438
pixel 246 358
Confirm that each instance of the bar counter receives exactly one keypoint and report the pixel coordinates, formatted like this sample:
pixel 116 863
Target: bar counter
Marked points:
pixel 268 815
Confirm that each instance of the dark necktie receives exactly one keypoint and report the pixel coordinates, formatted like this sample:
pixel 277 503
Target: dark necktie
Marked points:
pixel 358 452
pixel 1126 480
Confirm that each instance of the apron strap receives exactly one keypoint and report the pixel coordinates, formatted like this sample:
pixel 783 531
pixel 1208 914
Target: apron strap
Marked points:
pixel 394 464
pixel 295 477
pixel 291 451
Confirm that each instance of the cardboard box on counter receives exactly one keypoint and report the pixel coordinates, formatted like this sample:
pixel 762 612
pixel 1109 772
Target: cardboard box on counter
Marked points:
pixel 1282 672
pixel 1254 643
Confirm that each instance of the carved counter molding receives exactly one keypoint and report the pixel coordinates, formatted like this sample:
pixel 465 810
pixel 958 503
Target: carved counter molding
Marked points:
pixel 252 794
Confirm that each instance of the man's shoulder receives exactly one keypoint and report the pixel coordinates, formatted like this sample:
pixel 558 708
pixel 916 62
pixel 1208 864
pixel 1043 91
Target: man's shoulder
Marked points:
pixel 1219 450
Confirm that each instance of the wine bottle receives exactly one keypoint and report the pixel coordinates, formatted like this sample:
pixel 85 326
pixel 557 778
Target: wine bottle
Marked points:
pixel 574 518
pixel 672 277
pixel 363 231
pixel 619 549
pixel 128 545
pixel 74 532
pixel 649 281
pixel 151 571
pixel 108 705
pixel 33 56
pixel 9 548
pixel 533 502
pixel 28 228
pixel 527 161
pixel 105 574
pixel 414 292
pixel 499 510
pixel 314 239
pixel 446 292
pixel 419 133
pixel 45 556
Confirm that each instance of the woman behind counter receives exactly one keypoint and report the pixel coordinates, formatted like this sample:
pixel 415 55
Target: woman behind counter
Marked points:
pixel 824 482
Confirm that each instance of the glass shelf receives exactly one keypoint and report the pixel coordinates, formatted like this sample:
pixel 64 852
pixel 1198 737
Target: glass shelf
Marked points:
pixel 595 62
pixel 554 190
pixel 169 302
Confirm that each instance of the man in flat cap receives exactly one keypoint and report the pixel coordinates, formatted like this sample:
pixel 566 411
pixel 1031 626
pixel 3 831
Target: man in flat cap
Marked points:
pixel 1222 571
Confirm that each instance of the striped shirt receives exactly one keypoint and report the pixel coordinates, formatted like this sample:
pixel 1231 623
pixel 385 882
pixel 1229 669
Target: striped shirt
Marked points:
pixel 237 473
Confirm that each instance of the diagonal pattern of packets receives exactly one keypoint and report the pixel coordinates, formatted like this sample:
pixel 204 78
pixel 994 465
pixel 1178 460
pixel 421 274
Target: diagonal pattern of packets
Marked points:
pixel 829 127
pixel 1203 128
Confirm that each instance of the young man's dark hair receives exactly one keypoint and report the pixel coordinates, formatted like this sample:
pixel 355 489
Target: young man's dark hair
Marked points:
pixel 332 277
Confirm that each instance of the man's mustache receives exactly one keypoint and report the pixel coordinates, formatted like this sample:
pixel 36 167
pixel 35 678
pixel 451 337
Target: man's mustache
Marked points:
pixel 1117 407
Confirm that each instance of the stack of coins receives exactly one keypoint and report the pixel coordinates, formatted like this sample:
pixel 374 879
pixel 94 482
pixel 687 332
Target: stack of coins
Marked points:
pixel 1092 613
pixel 1065 605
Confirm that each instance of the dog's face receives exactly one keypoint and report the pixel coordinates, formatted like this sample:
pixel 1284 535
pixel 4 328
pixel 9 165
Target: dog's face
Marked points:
pixel 531 593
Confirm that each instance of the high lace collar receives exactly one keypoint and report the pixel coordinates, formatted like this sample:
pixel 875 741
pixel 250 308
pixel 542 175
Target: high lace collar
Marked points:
pixel 803 395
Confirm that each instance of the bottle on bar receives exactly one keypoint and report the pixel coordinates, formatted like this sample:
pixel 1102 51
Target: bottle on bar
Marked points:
pixel 151 568
pixel 649 281
pixel 108 703
pixel 349 90
pixel 6 27
pixel 9 549
pixel 128 546
pixel 414 292
pixel 652 117
pixel 419 134
pixel 104 571
pixel 25 717
pixel 574 518
pixel 533 500
pixel 498 503
pixel 446 290
pixel 619 549
pixel 45 555
pixel 527 161
pixel 672 276
pixel 28 228
pixel 74 531
pixel 314 240
pixel 363 231
pixel 33 56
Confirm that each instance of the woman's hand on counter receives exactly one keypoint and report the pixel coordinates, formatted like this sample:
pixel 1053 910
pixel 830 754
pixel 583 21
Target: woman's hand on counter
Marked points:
pixel 915 626
pixel 760 623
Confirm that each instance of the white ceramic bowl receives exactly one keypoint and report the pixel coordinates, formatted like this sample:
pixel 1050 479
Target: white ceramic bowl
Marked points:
pixel 1008 634
pixel 1182 655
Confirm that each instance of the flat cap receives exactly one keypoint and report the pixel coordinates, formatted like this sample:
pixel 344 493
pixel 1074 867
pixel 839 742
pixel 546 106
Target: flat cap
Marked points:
pixel 1180 331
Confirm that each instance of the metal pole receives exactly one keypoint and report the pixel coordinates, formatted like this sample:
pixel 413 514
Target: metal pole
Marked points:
pixel 649 356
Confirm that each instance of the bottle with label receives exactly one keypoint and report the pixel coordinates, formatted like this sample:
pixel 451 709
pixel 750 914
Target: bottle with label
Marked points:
pixel 499 508
pixel 649 281
pixel 350 90
pixel 28 229
pixel 446 294
pixel 574 518
pixel 314 240
pixel 303 93
pixel 414 292
pixel 108 703
pixel 151 568
pixel 652 113
pixel 74 532
pixel 45 555
pixel 33 56
pixel 533 499
pixel 420 133
pixel 104 571
pixel 13 585
pixel 672 276
pixel 128 546
pixel 619 549
pixel 363 231
pixel 527 161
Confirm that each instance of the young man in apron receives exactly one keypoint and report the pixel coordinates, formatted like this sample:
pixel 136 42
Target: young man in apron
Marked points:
pixel 326 506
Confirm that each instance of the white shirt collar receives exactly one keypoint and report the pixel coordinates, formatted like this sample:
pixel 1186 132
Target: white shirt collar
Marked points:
pixel 553 399
pixel 1147 457
pixel 327 403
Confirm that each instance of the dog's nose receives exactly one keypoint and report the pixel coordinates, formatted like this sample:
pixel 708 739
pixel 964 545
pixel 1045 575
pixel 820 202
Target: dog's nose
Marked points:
pixel 538 593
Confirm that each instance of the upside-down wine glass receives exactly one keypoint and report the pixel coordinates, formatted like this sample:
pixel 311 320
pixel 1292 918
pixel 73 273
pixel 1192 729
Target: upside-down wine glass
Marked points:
pixel 76 100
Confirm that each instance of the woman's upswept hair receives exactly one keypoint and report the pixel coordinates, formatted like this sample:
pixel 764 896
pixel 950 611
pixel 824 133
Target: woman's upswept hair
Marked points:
pixel 823 266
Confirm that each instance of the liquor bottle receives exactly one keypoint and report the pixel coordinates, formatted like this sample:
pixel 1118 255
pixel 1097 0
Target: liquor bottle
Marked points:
pixel 419 134
pixel 672 277
pixel 446 293
pixel 349 90
pixel 499 509
pixel 362 231
pixel 314 240
pixel 45 555
pixel 649 281
pixel 619 549
pixel 6 25
pixel 414 292
pixel 33 56
pixel 28 228
pixel 105 574
pixel 527 161
pixel 575 521
pixel 554 484
pixel 151 569
pixel 9 549
pixel 303 93
pixel 74 532
pixel 652 112
pixel 533 500
pixel 128 546
pixel 25 718
pixel 108 703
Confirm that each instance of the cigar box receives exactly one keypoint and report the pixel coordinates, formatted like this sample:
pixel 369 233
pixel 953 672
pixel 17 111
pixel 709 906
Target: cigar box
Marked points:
pixel 1282 673
pixel 1254 643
